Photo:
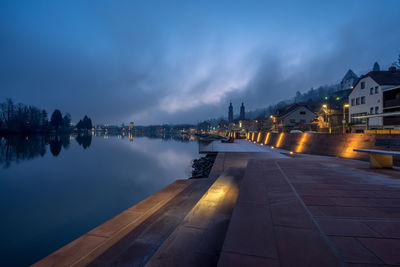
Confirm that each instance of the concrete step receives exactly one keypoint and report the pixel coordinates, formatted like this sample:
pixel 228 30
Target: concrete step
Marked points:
pixel 88 247
pixel 197 241
pixel 270 226
pixel 136 248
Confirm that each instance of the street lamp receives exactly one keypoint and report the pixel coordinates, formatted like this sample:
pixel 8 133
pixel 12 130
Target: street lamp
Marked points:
pixel 273 121
pixel 326 110
pixel 344 117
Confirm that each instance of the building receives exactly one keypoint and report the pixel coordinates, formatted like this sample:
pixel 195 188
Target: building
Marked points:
pixel 242 113
pixel 391 104
pixel 230 113
pixel 367 99
pixel 294 117
pixel 332 115
pixel 349 79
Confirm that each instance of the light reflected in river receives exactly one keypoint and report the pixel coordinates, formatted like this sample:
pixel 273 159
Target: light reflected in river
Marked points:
pixel 54 189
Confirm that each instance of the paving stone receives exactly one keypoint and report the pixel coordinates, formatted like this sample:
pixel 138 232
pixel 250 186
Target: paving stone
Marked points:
pixel 303 247
pixel 386 249
pixel 353 251
pixel 291 214
pixel 341 227
pixel 387 229
pixel 240 260
pixel 250 231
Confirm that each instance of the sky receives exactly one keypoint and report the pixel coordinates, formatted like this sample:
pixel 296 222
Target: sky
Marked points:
pixel 156 62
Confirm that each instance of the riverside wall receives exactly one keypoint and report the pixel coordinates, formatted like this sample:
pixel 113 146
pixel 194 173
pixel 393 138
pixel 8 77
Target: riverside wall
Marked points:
pixel 338 145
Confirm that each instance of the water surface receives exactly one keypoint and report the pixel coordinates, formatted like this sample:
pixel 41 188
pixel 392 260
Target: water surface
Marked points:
pixel 53 190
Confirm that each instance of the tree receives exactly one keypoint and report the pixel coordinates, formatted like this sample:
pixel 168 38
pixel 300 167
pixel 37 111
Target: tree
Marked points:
pixel 85 124
pixel 376 67
pixel 67 120
pixel 45 120
pixel 56 119
pixel 397 63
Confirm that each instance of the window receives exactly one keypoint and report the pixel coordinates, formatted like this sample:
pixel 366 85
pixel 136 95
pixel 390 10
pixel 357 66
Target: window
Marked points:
pixel 357 101
pixel 292 121
pixel 363 100
pixel 371 90
pixel 352 102
pixel 302 113
pixel 302 121
pixel 358 120
pixel 376 110
pixel 362 85
pixel 371 110
pixel 376 90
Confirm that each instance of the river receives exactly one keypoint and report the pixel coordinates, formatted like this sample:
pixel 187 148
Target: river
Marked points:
pixel 54 189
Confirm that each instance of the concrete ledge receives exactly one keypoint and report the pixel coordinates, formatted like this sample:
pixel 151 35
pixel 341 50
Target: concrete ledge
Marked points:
pixel 89 246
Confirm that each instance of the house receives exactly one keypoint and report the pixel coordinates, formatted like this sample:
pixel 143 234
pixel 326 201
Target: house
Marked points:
pixel 333 112
pixel 366 98
pixel 294 117
pixel 348 80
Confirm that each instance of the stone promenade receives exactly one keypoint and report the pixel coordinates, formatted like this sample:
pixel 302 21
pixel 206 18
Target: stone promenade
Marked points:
pixel 258 207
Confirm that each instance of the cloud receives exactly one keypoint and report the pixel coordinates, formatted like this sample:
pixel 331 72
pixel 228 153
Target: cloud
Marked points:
pixel 163 64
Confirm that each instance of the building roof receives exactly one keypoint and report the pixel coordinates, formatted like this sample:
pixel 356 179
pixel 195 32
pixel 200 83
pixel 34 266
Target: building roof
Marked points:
pixel 289 109
pixel 383 77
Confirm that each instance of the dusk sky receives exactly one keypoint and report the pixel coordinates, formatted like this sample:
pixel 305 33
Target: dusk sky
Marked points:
pixel 183 61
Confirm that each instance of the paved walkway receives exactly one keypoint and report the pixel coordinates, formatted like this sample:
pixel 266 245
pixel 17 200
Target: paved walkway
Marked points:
pixel 255 209
pixel 314 212
pixel 358 208
pixel 240 145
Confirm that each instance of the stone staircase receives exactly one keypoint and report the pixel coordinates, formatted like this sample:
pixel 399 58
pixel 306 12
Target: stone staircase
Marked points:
pixel 244 214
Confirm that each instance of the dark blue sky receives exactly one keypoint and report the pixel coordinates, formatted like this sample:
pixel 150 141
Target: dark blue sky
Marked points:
pixel 182 61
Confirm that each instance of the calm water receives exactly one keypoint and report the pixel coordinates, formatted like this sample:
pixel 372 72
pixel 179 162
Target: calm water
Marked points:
pixel 53 190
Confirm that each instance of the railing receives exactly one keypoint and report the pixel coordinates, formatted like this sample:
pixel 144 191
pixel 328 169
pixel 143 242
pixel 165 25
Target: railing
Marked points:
pixel 391 120
pixel 391 103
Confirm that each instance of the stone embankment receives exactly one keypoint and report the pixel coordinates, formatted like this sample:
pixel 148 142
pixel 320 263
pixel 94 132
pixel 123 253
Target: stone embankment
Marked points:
pixel 336 145
pixel 202 166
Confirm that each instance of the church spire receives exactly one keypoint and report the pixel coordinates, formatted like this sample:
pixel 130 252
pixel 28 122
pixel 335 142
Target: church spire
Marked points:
pixel 242 112
pixel 230 113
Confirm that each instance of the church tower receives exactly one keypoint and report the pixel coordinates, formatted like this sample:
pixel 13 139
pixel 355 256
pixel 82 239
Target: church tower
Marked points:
pixel 230 113
pixel 242 112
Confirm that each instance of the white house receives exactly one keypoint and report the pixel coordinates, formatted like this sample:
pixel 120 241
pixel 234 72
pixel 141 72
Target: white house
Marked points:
pixel 367 97
pixel 296 116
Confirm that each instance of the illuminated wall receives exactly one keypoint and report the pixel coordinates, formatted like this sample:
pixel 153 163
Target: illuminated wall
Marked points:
pixel 280 139
pixel 338 145
pixel 267 138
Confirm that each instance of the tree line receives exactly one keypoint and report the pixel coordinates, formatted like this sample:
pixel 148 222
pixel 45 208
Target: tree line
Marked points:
pixel 20 118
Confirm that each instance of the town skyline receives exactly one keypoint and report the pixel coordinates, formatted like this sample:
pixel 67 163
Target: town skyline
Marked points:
pixel 184 63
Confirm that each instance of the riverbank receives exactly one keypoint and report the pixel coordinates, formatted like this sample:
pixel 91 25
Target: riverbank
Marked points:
pixel 255 209
pixel 202 166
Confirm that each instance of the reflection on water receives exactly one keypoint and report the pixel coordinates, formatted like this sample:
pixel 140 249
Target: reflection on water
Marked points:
pixel 16 148
pixel 53 189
